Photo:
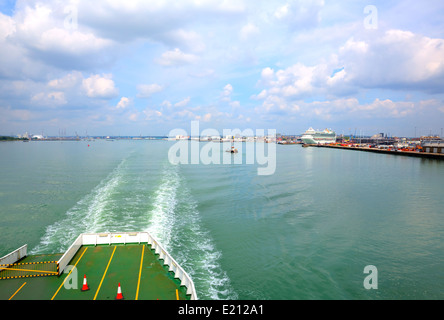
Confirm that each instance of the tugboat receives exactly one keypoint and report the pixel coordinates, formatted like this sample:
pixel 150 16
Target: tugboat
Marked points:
pixel 233 149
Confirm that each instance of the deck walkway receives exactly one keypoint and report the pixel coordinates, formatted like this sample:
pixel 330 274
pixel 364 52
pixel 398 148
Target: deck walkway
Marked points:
pixel 136 267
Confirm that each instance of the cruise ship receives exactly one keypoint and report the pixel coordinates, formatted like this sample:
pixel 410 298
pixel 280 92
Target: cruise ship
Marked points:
pixel 312 136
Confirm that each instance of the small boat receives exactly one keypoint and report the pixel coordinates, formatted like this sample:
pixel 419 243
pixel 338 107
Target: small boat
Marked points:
pixel 233 149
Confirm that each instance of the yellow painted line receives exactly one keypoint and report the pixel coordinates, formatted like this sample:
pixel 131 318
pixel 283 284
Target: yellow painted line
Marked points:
pixel 69 274
pixel 37 271
pixel 17 291
pixel 109 262
pixel 177 294
pixel 140 273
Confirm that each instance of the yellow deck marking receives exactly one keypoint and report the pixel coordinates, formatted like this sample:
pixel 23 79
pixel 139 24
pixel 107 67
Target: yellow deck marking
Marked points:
pixel 69 274
pixel 140 273
pixel 37 271
pixel 109 262
pixel 17 291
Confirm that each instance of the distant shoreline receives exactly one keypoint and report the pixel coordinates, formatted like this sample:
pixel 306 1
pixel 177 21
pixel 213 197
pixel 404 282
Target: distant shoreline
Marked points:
pixel 7 138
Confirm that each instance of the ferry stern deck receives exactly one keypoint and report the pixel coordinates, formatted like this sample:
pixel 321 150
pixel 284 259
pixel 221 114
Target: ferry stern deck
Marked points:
pixel 144 271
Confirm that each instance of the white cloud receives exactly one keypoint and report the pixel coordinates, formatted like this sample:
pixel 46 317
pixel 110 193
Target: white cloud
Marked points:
pixel 183 103
pixel 123 103
pixel 74 43
pixel 299 13
pixel 134 117
pixel 359 47
pixel 226 94
pixel 226 97
pixel 202 74
pixel 7 26
pixel 75 86
pixel 190 40
pixel 147 90
pixel 342 108
pixel 176 58
pixel 35 42
pixel 277 105
pixel 101 87
pixel 267 74
pixel 282 11
pixel 248 31
pixel 395 59
pixel 166 104
pixel 15 62
pixel 337 78
pixel 13 114
pixel 51 99
pixel 388 108
pixel 235 104
pixel 262 95
pixel 229 5
pixel 40 28
pixel 295 81
pixel 70 80
pixel 205 118
pixel 151 114
pixel 326 60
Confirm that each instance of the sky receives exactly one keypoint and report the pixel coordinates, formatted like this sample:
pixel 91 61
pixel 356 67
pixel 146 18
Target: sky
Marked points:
pixel 140 67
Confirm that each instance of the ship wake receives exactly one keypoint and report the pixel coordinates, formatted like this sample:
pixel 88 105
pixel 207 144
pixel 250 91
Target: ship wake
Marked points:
pixel 175 221
pixel 90 214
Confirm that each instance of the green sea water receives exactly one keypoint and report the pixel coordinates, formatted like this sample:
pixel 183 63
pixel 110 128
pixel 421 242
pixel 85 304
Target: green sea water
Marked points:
pixel 305 232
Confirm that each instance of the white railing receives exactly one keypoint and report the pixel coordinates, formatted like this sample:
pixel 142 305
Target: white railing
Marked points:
pixel 69 254
pixel 14 256
pixel 124 238
pixel 173 266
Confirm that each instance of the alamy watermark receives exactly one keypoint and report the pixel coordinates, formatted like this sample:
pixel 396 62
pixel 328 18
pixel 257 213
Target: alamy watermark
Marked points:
pixel 371 281
pixel 371 20
pixel 260 148
pixel 72 17
pixel 71 281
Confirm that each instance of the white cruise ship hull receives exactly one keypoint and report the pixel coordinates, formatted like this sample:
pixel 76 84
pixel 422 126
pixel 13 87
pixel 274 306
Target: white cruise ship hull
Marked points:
pixel 318 137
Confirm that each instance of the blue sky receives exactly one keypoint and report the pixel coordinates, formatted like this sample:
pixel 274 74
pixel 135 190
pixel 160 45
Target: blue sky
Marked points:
pixel 149 67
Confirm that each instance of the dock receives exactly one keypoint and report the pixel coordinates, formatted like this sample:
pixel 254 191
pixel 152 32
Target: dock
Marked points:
pixel 133 264
pixel 424 155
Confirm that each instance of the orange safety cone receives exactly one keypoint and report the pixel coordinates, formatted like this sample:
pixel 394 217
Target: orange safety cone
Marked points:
pixel 85 285
pixel 119 293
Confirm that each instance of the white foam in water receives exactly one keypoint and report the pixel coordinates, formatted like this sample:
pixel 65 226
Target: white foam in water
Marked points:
pixel 162 215
pixel 88 215
pixel 175 222
pixel 98 219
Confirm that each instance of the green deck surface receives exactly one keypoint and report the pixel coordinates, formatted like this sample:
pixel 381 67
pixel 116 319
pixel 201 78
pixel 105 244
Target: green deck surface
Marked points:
pixel 105 267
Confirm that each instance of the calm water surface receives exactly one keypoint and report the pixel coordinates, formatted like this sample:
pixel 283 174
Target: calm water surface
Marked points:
pixel 305 232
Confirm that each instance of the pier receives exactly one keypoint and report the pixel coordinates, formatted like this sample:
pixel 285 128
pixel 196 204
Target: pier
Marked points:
pixel 424 155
